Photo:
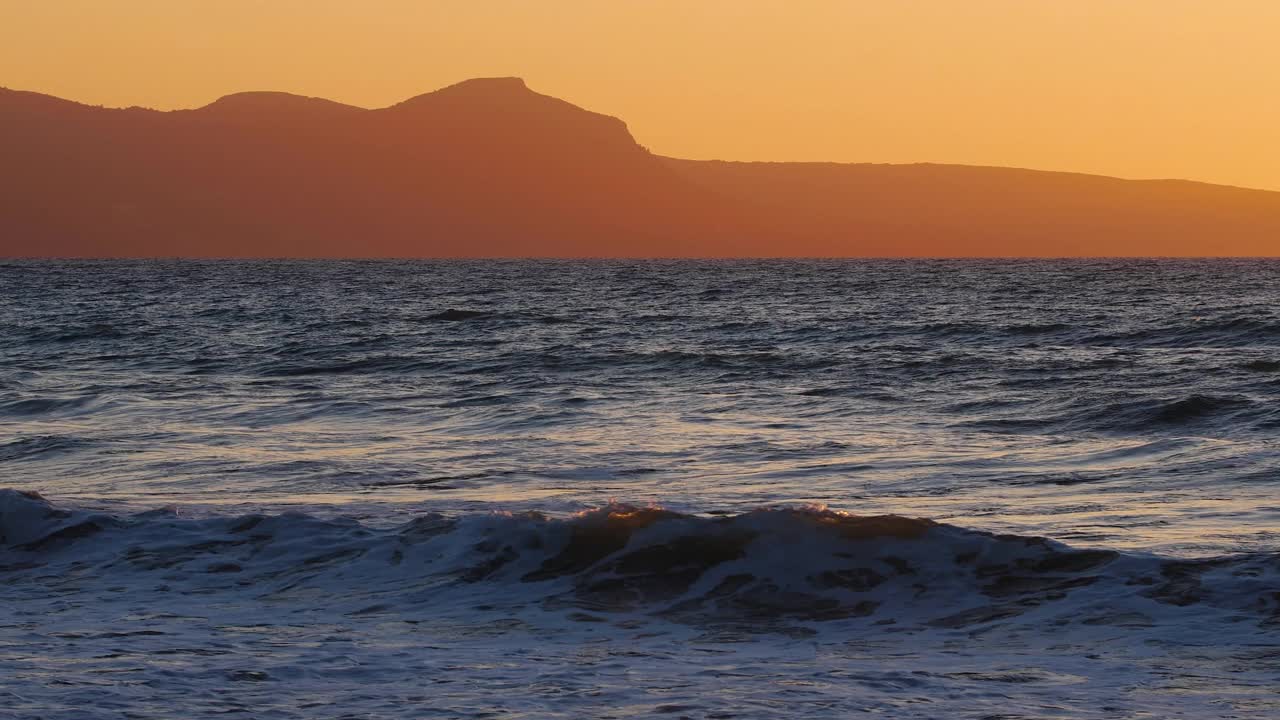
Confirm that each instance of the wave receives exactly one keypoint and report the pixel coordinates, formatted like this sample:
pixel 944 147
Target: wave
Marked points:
pixel 456 315
pixel 1191 408
pixel 47 405
pixel 340 366
pixel 1226 331
pixel 1132 415
pixel 82 333
pixel 1037 328
pixel 461 315
pixel 757 570
pixel 1212 332
pixel 40 445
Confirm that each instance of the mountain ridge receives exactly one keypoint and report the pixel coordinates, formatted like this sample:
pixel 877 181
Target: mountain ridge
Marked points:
pixel 490 167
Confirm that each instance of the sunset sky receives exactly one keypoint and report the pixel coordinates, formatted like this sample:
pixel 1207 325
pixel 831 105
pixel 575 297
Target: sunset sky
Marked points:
pixel 1134 88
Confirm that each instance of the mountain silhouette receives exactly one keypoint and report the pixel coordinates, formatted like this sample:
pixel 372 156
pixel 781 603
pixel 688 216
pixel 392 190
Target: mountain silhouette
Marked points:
pixel 266 107
pixel 488 167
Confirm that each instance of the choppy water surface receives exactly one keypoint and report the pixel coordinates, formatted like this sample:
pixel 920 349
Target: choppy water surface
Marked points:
pixel 367 488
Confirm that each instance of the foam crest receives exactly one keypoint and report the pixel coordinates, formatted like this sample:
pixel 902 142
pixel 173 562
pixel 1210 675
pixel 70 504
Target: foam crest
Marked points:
pixel 763 570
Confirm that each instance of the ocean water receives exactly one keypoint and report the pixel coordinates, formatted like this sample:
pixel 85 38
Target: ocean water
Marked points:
pixel 707 489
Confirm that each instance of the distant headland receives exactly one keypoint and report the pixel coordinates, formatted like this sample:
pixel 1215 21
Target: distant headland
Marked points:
pixel 490 168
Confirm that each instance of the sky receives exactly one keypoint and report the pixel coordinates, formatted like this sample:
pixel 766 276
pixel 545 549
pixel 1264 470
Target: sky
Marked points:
pixel 1132 88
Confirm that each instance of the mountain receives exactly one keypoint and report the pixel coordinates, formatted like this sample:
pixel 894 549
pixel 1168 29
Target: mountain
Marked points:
pixel 488 167
pixel 260 107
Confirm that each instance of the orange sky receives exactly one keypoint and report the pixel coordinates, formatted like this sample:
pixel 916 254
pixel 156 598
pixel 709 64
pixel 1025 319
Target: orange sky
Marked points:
pixel 1135 88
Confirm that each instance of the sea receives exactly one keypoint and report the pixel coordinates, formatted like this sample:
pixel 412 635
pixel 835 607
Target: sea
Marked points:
pixel 987 489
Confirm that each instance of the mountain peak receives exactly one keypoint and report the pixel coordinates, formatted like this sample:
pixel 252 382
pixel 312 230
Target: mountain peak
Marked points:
pixel 490 84
pixel 480 91
pixel 506 107
pixel 266 101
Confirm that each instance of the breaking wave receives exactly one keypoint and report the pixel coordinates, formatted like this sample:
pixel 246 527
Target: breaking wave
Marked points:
pixel 762 570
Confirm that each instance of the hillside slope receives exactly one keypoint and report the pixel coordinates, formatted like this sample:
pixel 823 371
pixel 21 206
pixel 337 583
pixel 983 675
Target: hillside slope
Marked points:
pixel 488 167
